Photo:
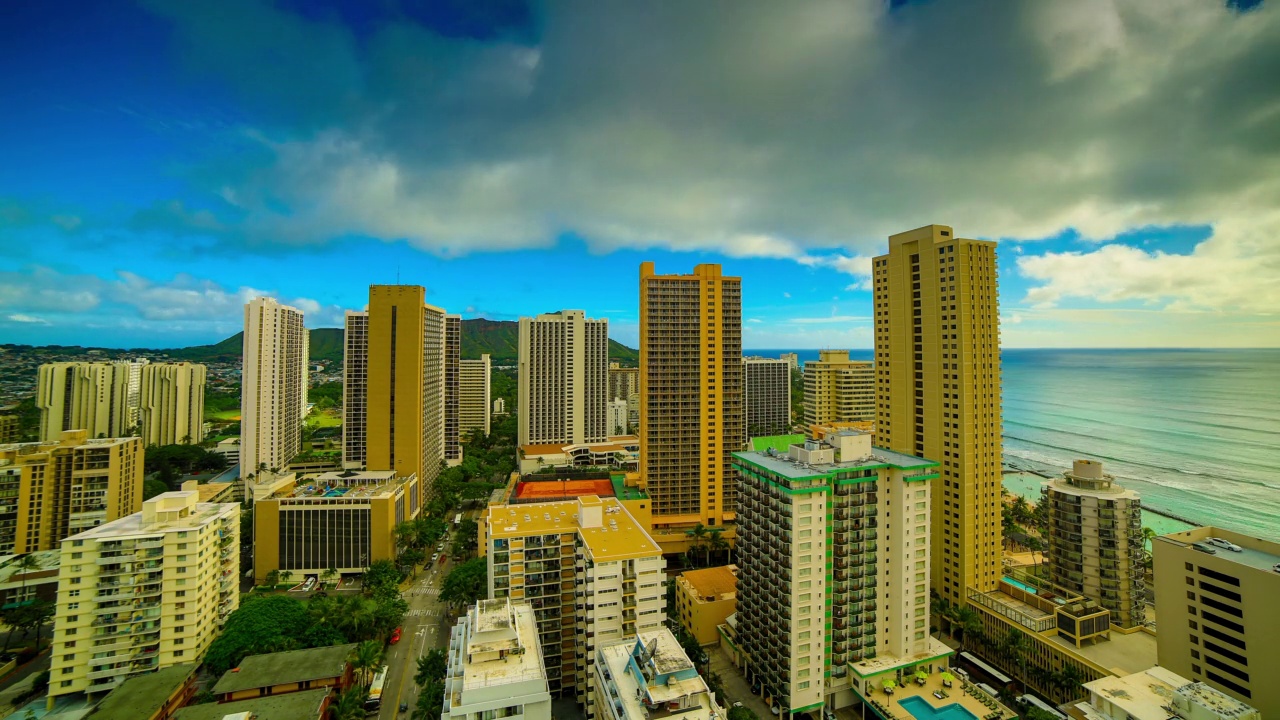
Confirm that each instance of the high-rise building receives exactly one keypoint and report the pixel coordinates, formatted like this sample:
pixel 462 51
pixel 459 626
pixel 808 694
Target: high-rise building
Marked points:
pixel 838 390
pixel 937 335
pixel 651 676
pixel 171 403
pixel 1095 541
pixel 793 360
pixel 404 419
pixel 590 571
pixel 767 390
pixel 1159 694
pixel 8 427
pixel 133 394
pixel 355 397
pixel 623 381
pixel 1215 595
pixel 495 665
pixel 473 395
pixel 563 379
pixel 144 592
pixel 452 388
pixel 691 406
pixel 838 535
pixel 49 490
pixel 617 417
pixel 273 392
pixel 89 396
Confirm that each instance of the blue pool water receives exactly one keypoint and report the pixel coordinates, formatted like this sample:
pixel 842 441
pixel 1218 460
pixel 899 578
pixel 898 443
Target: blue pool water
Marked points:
pixel 1021 586
pixel 922 710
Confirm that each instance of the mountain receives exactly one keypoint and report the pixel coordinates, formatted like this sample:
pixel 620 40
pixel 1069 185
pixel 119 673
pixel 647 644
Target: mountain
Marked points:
pixel 326 344
pixel 501 340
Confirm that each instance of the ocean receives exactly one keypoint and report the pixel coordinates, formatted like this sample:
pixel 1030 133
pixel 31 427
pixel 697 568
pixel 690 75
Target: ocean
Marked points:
pixel 1195 432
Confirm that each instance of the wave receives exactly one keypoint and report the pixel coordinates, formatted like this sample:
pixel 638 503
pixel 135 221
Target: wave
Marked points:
pixel 1129 461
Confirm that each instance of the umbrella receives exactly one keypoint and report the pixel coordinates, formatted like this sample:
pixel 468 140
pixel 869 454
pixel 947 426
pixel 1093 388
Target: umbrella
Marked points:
pixel 889 684
pixel 922 675
pixel 948 677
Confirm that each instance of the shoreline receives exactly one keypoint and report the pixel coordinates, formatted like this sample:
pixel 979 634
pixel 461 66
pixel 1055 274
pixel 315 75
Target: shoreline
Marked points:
pixel 1007 468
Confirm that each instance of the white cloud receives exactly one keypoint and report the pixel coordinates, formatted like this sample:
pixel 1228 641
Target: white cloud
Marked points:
pixel 27 319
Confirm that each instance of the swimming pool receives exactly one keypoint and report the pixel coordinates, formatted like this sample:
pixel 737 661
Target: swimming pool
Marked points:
pixel 1021 586
pixel 922 710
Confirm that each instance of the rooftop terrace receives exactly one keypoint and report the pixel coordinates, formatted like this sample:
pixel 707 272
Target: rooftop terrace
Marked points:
pixel 1255 553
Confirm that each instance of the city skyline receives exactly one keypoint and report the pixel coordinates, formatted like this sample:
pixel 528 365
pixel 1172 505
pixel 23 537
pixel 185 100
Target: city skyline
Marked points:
pixel 165 166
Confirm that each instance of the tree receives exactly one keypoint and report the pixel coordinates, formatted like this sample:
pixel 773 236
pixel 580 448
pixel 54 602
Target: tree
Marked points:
pixel 466 583
pixel 1072 680
pixel 272 578
pixel 381 574
pixel 152 487
pixel 431 667
pixel 718 544
pixel 430 701
pixel 698 533
pixel 1015 649
pixel 365 658
pixel 350 705
pixel 286 576
pixel 967 622
pixel 1034 713
pixel 262 624
pixel 412 558
pixel 742 713
pixel 30 616
pixel 329 575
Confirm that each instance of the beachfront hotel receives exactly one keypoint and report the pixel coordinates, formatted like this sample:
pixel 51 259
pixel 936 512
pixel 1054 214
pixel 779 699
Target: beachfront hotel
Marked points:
pixel 495 665
pixel 937 368
pixel 767 395
pixel 650 677
pixel 838 390
pixel 563 379
pixel 273 394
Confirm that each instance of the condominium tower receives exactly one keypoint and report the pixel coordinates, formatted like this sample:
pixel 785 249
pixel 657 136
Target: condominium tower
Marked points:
pixel 938 391
pixel 836 591
pixel 355 394
pixel 1095 541
pixel 273 393
pixel 563 379
pixel 767 391
pixel 473 395
pixel 49 490
pixel 495 665
pixel 838 390
pixel 144 592
pixel 452 419
pixel 89 396
pixel 691 403
pixel 171 403
pixel 623 381
pixel 650 676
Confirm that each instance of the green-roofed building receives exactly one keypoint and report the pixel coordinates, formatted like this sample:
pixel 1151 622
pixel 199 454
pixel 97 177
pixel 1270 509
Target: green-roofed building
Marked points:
pixel 305 705
pixel 779 443
pixel 153 696
pixel 287 672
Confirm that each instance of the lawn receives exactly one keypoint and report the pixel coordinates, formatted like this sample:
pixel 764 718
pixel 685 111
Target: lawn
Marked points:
pixel 324 418
pixel 225 415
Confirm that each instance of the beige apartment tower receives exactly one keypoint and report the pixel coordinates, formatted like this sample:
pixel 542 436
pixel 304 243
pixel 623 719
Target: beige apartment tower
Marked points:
pixel 89 396
pixel 691 397
pixel 273 393
pixel 767 394
pixel 937 337
pixel 355 376
pixel 1095 541
pixel 452 419
pixel 144 592
pixel 838 390
pixel 49 490
pixel 473 395
pixel 1217 612
pixel 623 381
pixel 563 379
pixel 171 403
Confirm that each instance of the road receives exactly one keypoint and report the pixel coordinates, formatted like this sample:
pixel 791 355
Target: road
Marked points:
pixel 426 625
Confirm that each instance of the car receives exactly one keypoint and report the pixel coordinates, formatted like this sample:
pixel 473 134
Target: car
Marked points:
pixel 1276 567
pixel 1204 548
pixel 404 707
pixel 737 703
pixel 827 714
pixel 440 547
pixel 395 636
pixel 310 583
pixel 443 558
pixel 435 557
pixel 1224 544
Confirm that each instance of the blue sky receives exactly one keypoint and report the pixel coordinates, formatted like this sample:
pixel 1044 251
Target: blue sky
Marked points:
pixel 164 161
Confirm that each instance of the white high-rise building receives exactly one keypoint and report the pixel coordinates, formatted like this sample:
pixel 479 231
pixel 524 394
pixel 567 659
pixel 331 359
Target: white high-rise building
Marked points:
pixel 89 396
pixel 273 394
pixel 563 379
pixel 617 417
pixel 171 403
pixel 473 395
pixel 495 665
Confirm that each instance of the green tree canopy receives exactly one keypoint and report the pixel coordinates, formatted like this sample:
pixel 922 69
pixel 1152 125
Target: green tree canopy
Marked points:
pixel 466 583
pixel 262 624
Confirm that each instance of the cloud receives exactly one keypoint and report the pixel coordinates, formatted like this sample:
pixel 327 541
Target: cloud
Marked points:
pixel 27 319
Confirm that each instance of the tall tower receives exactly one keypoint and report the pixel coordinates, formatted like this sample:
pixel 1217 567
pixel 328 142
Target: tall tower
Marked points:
pixel 473 395
pixel 838 390
pixel 89 396
pixel 452 356
pixel 355 376
pixel 691 395
pixel 273 394
pixel 767 396
pixel 404 420
pixel 938 391
pixel 564 379
pixel 171 403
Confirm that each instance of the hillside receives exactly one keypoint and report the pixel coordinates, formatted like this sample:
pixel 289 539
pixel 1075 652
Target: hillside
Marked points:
pixel 501 338
pixel 326 344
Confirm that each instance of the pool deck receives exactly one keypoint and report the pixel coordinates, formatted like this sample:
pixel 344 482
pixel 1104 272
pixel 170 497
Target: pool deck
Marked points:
pixel 956 694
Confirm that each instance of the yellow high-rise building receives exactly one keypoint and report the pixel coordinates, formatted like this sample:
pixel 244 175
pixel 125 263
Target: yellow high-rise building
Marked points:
pixel 938 391
pixel 838 390
pixel 171 403
pixel 691 398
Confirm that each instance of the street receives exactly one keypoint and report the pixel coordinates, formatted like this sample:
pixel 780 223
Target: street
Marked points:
pixel 426 625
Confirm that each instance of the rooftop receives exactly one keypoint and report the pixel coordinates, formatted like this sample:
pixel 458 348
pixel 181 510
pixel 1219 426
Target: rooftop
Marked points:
pixel 1256 553
pixel 202 514
pixel 140 696
pixel 302 705
pixel 796 470
pixel 683 694
pixel 712 584
pixel 211 490
pixel 777 442
pixel 618 536
pixel 293 666
pixel 626 492
pixel 1122 654
pixel 1150 695
pixel 502 647
pixel 617 443
pixel 45 560
pixel 349 484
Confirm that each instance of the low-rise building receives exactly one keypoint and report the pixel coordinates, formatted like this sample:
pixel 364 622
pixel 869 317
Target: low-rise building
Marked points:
pixel 1158 693
pixel 495 665
pixel 8 428
pixel 306 705
pixel 229 448
pixel 704 599
pixel 281 673
pixel 22 581
pixel 649 677
pixel 621 452
pixel 154 696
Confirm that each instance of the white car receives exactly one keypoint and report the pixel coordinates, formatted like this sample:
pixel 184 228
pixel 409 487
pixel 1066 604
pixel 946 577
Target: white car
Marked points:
pixel 1225 544
pixel 1276 567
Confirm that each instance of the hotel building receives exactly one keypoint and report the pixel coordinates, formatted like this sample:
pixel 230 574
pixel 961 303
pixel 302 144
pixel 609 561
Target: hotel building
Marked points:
pixel 589 570
pixel 1217 611
pixel 623 381
pixel 767 393
pixel 1095 541
pixel 144 592
pixel 691 398
pixel 836 594
pixel 452 388
pixel 649 677
pixel 89 396
pixel 838 390
pixel 273 394
pixel 171 403
pixel 705 598
pixel 49 490
pixel 937 371
pixel 473 395
pixel 495 665
pixel 563 379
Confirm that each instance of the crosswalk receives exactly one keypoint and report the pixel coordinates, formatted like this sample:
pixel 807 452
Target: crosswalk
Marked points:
pixel 436 612
pixel 429 591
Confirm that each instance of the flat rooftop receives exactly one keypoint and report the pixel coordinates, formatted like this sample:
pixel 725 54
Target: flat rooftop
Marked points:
pixel 1146 695
pixel 1122 654
pixel 294 666
pixel 714 583
pixel 619 537
pixel 140 696
pixel 44 560
pixel 616 443
pixel 204 514
pixel 797 470
pixel 349 484
pixel 669 658
pixel 1255 553
pixel 507 628
pixel 211 490
pixel 302 705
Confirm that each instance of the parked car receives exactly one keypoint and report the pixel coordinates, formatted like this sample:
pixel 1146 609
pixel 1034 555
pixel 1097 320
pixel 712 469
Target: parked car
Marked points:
pixel 310 583
pixel 395 636
pixel 1224 544
pixel 404 707
pixel 1276 567
pixel 1204 548
pixel 435 557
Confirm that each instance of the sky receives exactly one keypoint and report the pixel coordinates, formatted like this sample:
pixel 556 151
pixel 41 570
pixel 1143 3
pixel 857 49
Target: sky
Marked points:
pixel 163 161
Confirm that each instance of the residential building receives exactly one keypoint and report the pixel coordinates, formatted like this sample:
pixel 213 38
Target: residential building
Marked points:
pixel 473 395
pixel 273 392
pixel 767 390
pixel 305 705
pixel 280 673
pixel 495 665
pixel 1095 541
pixel 589 569
pixel 452 389
pixel 1158 693
pixel 144 592
pixel 617 417
pixel 1217 612
pixel 355 398
pixel 704 599
pixel 563 379
pixel 937 368
pixel 21 584
pixel 229 448
pixel 649 676
pixel 8 428
pixel 499 406
pixel 691 405
pixel 153 696
pixel 342 520
pixel 49 490
pixel 838 390
pixel 836 594
pixel 793 360
pixel 621 452
pixel 623 381
pixel 171 403
pixel 89 396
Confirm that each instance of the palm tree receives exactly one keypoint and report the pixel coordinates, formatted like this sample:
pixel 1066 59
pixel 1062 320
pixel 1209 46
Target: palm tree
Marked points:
pixel 940 608
pixel 24 565
pixel 967 621
pixel 718 543
pixel 350 705
pixel 286 576
pixel 365 658
pixel 329 575
pixel 698 533
pixel 1015 650
pixel 1072 681
pixel 1148 545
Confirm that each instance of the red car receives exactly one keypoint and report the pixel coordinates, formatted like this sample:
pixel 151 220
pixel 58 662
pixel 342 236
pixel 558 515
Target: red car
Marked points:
pixel 395 636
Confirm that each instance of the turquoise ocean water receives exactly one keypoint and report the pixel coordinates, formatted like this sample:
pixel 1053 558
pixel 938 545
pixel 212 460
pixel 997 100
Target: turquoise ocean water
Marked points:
pixel 1195 432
